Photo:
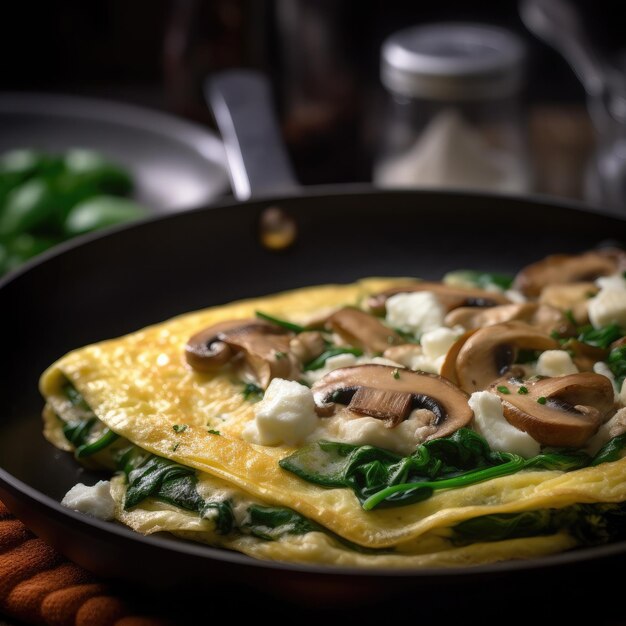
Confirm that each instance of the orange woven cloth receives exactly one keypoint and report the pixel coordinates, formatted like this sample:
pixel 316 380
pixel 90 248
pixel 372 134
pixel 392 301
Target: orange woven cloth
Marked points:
pixel 39 586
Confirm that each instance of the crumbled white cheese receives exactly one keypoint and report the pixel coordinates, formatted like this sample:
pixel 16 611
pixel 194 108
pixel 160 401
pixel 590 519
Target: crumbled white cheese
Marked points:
pixel 555 363
pixel 613 282
pixel 430 355
pixel 609 305
pixel 436 343
pixel 416 312
pixel 614 427
pixel 367 430
pixel 285 415
pixel 489 421
pixel 95 501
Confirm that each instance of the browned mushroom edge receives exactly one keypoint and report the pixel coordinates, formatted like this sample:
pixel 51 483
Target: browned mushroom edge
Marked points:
pixel 544 317
pixel 260 349
pixel 362 330
pixel 449 297
pixel 560 411
pixel 478 357
pixel 568 268
pixel 390 394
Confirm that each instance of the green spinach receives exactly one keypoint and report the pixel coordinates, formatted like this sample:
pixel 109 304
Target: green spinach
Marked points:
pixel 617 364
pixel 381 478
pixel 320 361
pixel 589 524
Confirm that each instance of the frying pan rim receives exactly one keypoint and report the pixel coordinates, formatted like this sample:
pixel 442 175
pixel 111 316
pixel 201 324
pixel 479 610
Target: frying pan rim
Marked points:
pixel 315 192
pixel 17 486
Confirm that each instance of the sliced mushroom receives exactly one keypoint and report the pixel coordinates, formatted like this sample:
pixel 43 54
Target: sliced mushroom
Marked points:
pixel 362 330
pixel 572 297
pixel 450 297
pixel 569 268
pixel 307 346
pixel 390 394
pixel 543 317
pixel 585 355
pixel 480 356
pixel 560 411
pixel 260 349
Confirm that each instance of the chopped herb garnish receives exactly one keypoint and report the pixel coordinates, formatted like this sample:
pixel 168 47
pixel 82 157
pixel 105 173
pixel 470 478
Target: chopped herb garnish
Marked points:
pixel 214 432
pixel 175 446
pixel 252 392
pixel 296 328
pixel 395 373
pixel 280 355
pixel 522 390
pixel 541 400
pixel 179 428
pixel 503 389
pixel 570 317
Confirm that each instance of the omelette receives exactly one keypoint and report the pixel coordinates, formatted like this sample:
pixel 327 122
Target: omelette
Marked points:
pixel 392 422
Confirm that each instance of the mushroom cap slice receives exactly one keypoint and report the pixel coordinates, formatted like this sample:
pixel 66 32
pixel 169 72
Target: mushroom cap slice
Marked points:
pixel 362 330
pixel 573 297
pixel 584 355
pixel 542 316
pixel 260 348
pixel 479 357
pixel 450 297
pixel 390 394
pixel 307 345
pixel 569 268
pixel 572 409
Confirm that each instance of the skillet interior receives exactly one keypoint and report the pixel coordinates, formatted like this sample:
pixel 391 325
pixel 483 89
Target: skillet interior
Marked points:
pixel 122 280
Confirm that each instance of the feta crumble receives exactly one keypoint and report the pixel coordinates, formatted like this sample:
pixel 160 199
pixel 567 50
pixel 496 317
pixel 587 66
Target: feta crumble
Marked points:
pixel 415 313
pixel 285 415
pixel 95 501
pixel 609 305
pixel 555 363
pixel 490 422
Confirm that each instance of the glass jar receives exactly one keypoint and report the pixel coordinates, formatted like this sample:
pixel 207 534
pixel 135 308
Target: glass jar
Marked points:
pixel 454 117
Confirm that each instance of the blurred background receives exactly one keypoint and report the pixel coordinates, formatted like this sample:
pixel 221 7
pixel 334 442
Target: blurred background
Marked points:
pixel 323 58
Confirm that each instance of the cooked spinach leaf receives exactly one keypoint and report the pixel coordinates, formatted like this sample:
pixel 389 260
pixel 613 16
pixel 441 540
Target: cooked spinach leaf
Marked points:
pixel 381 478
pixel 617 364
pixel 106 439
pixel 271 523
pixel 601 337
pixel 320 361
pixel 77 431
pixel 590 524
pixel 296 328
pixel 610 451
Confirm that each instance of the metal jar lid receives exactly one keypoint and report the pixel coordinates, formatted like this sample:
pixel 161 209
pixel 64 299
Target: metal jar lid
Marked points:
pixel 453 61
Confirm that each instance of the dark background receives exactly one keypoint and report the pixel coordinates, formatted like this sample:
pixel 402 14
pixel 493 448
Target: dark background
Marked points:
pixel 322 56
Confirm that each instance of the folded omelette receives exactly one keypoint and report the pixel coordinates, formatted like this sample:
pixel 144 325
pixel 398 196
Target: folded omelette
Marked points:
pixel 387 423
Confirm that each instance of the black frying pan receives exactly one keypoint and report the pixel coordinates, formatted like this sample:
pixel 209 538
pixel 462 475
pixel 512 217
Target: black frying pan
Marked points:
pixel 113 283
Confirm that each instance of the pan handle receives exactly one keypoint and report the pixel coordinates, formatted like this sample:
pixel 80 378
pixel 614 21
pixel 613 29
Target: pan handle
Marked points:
pixel 258 163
